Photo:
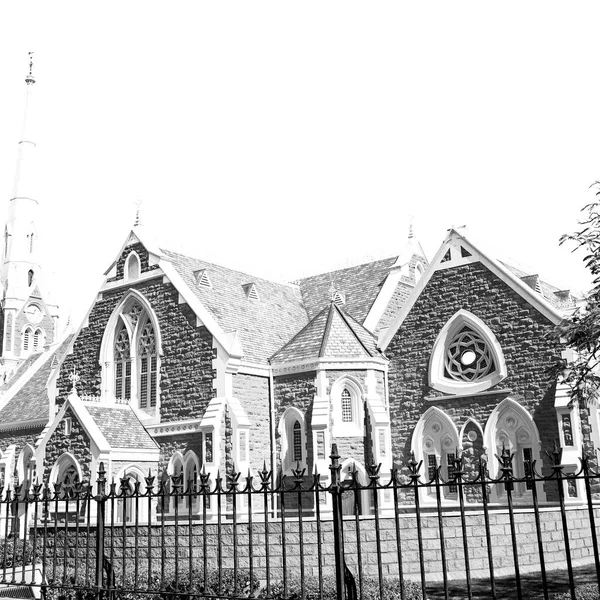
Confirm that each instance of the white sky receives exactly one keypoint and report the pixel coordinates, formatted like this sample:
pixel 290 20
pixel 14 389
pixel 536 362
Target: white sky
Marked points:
pixel 287 139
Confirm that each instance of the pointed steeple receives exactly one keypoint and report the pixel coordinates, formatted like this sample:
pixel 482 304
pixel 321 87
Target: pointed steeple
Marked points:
pixel 26 312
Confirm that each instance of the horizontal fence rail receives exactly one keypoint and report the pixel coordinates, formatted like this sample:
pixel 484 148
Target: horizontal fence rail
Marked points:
pixel 355 535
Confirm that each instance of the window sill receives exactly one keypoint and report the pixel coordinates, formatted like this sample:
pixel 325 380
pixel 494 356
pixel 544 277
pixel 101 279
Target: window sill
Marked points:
pixel 467 395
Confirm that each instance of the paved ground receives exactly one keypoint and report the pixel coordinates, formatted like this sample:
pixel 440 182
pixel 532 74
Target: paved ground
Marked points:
pixel 506 589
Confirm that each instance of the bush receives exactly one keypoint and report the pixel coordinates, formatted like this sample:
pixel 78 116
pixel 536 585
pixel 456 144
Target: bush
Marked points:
pixel 240 585
pixel 587 591
pixel 19 553
pixel 370 589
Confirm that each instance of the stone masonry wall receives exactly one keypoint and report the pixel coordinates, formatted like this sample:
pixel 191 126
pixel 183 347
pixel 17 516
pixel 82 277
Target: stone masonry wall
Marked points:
pixel 20 438
pixel 143 256
pixel 351 447
pixel 182 443
pixel 21 321
pixel 521 331
pixel 77 444
pixel 297 390
pixel 186 373
pixel 253 393
pixel 234 545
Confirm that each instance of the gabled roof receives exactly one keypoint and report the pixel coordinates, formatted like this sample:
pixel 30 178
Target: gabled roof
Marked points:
pixel 457 250
pixel 560 299
pixel 264 324
pixel 26 394
pixel 121 427
pixel 332 333
pixel 360 284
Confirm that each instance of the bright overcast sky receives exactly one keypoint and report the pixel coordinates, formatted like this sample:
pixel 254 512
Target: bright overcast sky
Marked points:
pixel 286 139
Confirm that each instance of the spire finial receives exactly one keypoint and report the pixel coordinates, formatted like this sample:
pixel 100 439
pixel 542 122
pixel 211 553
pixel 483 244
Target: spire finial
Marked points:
pixel 137 222
pixel 411 233
pixel 30 78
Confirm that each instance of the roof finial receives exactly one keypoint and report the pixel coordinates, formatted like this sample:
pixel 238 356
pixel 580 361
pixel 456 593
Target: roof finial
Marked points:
pixel 30 78
pixel 137 222
pixel 411 234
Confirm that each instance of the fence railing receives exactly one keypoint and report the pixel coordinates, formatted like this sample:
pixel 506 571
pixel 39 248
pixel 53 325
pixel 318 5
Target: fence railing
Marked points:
pixel 355 535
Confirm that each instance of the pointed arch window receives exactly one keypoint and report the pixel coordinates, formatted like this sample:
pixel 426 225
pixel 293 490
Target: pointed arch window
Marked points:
pixel 293 440
pixel 132 266
pixel 131 355
pixel 27 335
pixel 147 366
pixel 122 364
pixel 347 413
pixel 466 358
pixel 30 277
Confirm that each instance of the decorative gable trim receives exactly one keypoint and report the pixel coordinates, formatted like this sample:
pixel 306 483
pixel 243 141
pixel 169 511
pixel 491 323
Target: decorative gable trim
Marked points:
pixel 452 248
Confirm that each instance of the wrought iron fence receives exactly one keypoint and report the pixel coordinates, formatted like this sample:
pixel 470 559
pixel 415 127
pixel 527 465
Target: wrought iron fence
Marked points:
pixel 403 536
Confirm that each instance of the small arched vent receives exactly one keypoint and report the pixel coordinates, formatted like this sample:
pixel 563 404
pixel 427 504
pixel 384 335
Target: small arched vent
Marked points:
pixel 338 298
pixel 251 291
pixel 202 278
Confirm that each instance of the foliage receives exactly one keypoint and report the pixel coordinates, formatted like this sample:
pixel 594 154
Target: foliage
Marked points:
pixel 370 589
pixel 182 587
pixel 581 331
pixel 15 552
pixel 587 591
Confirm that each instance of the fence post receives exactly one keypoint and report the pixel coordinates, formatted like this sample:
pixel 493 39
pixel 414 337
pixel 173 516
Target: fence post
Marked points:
pixel 336 492
pixel 100 517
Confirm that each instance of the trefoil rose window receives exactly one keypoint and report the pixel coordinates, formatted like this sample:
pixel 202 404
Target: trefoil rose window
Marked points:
pixel 468 357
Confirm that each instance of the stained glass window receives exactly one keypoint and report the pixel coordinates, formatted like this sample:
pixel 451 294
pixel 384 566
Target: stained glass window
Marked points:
pixel 468 357
pixel 148 366
pixel 347 413
pixel 122 365
pixel 297 441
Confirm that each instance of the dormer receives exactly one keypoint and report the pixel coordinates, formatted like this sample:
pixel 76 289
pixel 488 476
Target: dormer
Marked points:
pixel 202 279
pixel 251 291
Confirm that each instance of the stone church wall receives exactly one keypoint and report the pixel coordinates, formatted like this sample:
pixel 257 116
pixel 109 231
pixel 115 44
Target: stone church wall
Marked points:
pixel 77 443
pixel 186 373
pixel 297 390
pixel 520 330
pixel 253 393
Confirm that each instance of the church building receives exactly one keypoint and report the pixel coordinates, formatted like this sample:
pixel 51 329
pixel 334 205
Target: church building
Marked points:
pixel 182 366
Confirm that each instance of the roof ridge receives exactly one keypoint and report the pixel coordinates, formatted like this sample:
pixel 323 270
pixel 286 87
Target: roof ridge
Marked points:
pixel 349 325
pixel 380 260
pixel 298 333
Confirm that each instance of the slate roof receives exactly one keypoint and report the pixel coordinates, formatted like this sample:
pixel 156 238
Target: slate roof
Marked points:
pixel 360 284
pixel 30 403
pixel 331 333
pixel 264 324
pixel 121 427
pixel 560 299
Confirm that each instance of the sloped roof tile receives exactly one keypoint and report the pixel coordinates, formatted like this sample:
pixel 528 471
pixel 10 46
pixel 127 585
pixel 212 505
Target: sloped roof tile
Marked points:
pixel 121 427
pixel 360 284
pixel 30 403
pixel 264 324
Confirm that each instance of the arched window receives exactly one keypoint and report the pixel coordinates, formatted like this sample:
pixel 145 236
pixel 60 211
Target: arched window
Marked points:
pixel 435 442
pixel 466 357
pixel 293 440
pixel 347 413
pixel 27 339
pixel 30 277
pixel 147 366
pixel 130 355
pixel 132 266
pixel 122 364
pixel 67 473
pixel 297 433
pixel 510 426
pixel 26 467
pixel 355 499
pixel 38 340
pixel 347 405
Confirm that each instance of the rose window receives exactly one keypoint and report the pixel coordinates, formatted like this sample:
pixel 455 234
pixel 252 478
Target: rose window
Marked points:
pixel 468 357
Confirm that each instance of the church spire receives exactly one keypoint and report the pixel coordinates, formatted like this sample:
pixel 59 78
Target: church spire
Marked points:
pixel 26 314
